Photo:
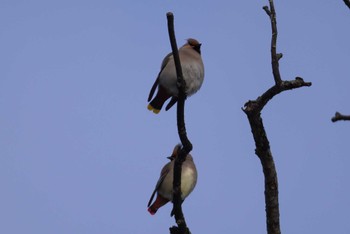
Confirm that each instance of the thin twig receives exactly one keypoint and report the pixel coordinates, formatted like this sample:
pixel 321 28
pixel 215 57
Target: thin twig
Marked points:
pixel 339 116
pixel 187 146
pixel 274 56
pixel 253 111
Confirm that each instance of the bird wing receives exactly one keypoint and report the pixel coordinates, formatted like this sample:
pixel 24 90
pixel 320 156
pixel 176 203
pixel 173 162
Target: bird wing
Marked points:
pixel 153 89
pixel 159 183
pixel 164 63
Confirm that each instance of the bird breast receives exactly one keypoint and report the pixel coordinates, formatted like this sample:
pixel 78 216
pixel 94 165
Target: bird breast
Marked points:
pixel 188 181
pixel 192 70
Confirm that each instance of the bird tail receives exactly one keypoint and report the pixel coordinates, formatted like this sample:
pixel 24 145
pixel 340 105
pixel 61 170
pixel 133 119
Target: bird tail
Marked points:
pixel 152 108
pixel 158 101
pixel 159 202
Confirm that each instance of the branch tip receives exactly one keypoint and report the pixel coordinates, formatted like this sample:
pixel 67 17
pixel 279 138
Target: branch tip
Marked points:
pixel 339 116
pixel 279 56
pixel 266 9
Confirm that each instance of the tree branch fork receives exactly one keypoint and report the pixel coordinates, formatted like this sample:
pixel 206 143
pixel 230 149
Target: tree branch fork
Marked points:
pixel 254 106
pixel 253 109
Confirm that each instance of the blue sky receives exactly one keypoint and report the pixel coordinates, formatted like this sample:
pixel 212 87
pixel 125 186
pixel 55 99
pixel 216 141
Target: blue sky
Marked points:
pixel 80 152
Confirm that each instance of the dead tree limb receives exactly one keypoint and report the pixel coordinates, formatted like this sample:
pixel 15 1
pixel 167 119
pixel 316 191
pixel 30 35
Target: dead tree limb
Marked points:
pixel 186 144
pixel 339 116
pixel 253 110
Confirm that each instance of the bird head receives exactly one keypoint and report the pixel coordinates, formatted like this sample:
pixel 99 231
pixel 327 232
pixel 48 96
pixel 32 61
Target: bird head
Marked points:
pixel 194 44
pixel 176 151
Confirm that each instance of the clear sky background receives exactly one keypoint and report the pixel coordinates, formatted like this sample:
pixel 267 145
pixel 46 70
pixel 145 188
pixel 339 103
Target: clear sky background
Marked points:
pixel 80 152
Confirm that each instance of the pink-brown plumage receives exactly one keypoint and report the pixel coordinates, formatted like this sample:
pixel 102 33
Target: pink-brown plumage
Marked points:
pixel 164 187
pixel 166 82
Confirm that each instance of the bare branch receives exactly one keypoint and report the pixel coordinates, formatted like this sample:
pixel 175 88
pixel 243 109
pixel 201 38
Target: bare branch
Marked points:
pixel 271 183
pixel 258 104
pixel 274 56
pixel 187 146
pixel 253 111
pixel 339 116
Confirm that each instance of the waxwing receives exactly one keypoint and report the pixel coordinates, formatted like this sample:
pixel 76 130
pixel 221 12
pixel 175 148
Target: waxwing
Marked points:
pixel 193 74
pixel 164 187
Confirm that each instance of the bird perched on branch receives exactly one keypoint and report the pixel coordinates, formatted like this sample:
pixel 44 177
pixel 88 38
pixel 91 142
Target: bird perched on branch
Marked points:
pixel 193 74
pixel 164 187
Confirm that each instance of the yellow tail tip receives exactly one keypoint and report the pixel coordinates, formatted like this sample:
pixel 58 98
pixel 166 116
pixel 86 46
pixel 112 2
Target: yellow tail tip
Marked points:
pixel 151 108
